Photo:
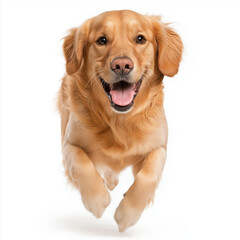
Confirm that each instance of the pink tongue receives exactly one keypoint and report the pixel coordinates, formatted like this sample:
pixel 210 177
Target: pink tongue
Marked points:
pixel 122 97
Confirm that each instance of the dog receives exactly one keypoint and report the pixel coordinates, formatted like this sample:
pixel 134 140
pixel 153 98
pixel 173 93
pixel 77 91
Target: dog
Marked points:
pixel 111 107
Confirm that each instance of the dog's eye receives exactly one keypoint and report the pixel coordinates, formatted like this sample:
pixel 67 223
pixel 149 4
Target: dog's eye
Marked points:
pixel 102 41
pixel 140 39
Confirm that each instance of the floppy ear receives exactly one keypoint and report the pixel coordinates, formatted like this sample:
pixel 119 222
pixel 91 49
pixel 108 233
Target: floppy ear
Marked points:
pixel 170 48
pixel 73 47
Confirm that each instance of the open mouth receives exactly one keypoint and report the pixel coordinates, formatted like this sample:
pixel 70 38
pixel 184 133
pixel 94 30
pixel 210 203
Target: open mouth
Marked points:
pixel 121 94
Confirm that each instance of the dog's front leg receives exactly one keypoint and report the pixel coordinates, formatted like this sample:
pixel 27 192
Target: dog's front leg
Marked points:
pixel 142 190
pixel 82 173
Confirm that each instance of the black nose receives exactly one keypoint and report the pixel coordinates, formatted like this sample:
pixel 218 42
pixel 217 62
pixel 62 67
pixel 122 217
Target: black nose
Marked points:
pixel 122 65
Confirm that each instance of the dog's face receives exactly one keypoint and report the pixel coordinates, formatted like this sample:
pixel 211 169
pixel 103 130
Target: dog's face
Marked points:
pixel 122 53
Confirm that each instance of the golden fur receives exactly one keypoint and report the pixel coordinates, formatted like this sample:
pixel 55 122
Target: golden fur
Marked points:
pixel 97 142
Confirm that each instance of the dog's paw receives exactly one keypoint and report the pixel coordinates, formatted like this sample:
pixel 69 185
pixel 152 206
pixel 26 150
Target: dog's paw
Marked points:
pixel 96 200
pixel 127 214
pixel 111 180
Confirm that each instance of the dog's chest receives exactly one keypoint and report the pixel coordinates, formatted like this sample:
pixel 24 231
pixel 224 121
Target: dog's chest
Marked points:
pixel 113 151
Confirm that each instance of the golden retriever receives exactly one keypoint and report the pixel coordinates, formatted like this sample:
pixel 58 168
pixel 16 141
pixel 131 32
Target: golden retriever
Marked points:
pixel 111 107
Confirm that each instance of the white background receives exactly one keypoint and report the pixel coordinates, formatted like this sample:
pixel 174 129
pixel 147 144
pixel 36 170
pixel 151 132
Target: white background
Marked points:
pixel 199 195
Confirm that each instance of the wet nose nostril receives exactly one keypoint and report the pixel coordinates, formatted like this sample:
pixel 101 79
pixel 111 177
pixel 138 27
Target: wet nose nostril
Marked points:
pixel 122 65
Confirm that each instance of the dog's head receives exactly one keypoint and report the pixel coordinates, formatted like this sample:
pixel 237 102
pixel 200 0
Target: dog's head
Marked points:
pixel 120 54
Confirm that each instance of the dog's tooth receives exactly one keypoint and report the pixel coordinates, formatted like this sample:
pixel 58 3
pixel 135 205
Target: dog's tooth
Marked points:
pixel 134 87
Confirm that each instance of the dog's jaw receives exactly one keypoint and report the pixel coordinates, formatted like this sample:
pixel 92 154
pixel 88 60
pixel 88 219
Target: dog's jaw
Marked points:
pixel 121 104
